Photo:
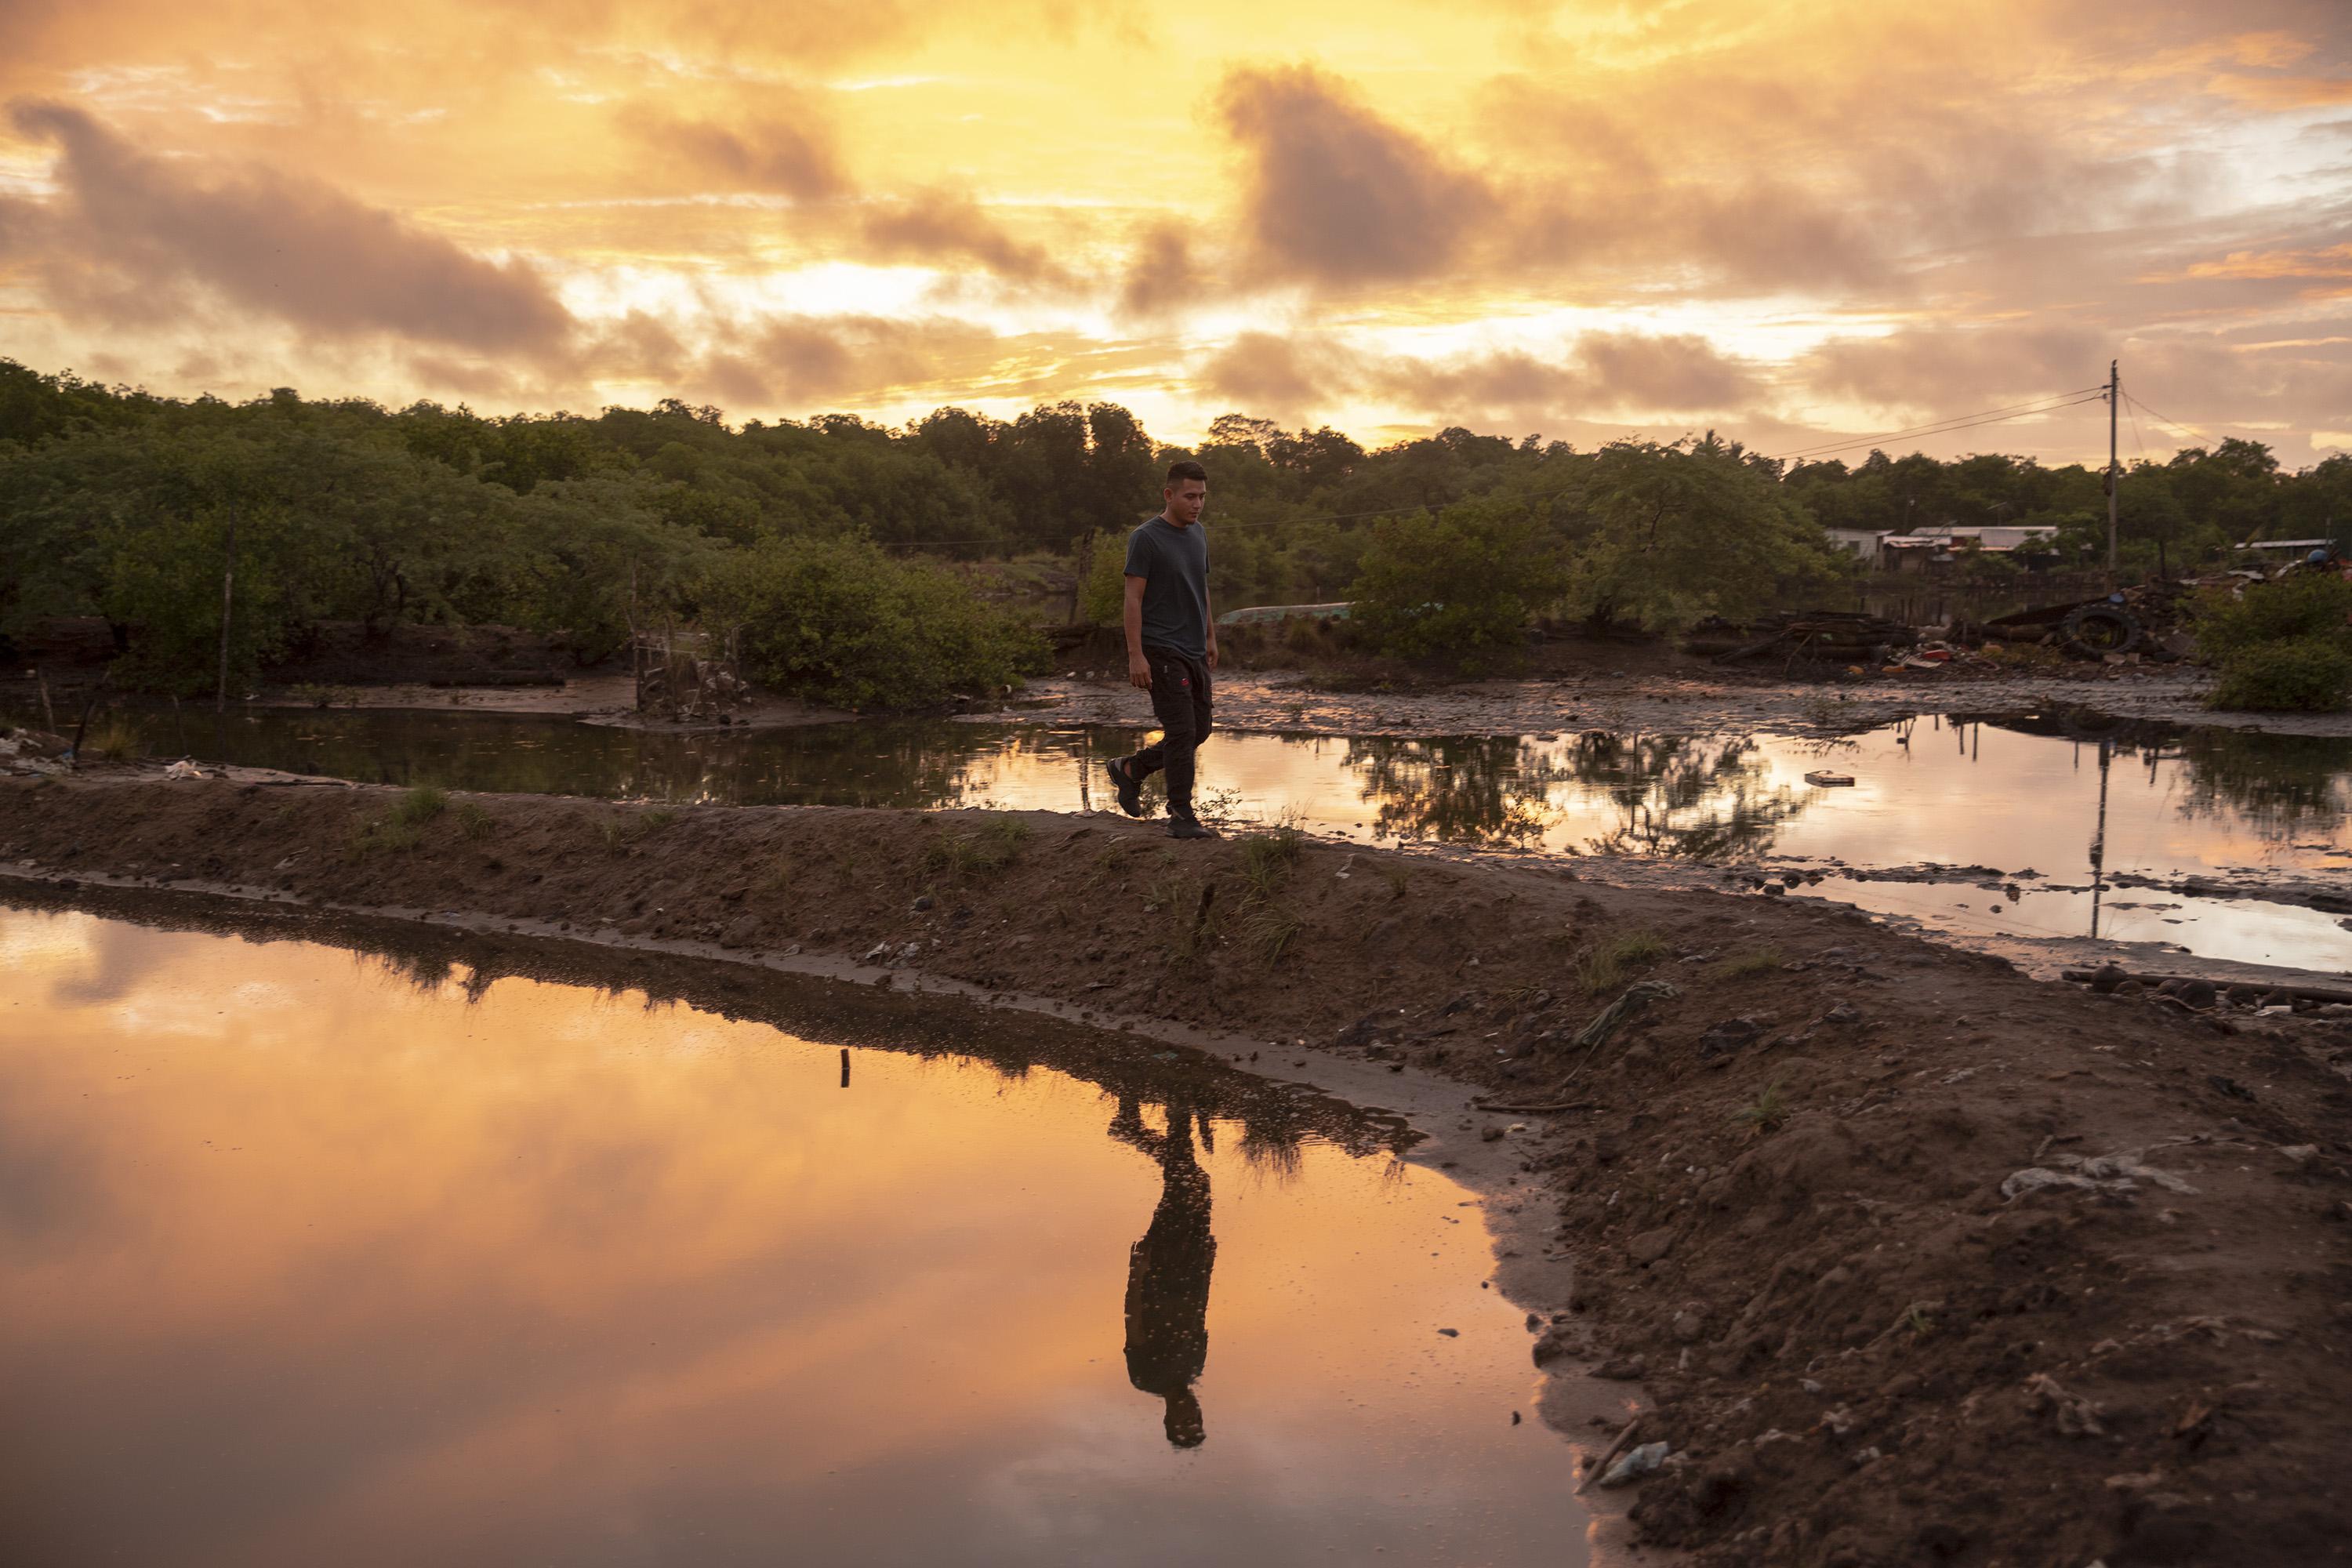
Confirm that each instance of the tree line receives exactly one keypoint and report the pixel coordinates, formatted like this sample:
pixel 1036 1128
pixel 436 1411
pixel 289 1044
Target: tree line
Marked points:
pixel 832 541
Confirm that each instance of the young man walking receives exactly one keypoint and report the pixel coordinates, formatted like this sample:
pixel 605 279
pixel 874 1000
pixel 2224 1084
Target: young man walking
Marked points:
pixel 1171 646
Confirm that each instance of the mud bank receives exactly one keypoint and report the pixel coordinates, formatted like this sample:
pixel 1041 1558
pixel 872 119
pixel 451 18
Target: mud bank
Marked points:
pixel 1688 697
pixel 1790 1174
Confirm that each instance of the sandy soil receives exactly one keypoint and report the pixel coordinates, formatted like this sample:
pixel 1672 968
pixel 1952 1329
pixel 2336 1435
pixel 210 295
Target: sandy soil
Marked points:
pixel 1783 1181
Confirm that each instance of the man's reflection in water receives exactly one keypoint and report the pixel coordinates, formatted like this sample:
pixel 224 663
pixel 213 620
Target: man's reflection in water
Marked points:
pixel 1167 1270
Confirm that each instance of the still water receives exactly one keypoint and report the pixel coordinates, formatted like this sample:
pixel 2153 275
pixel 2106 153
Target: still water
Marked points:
pixel 2095 806
pixel 317 1254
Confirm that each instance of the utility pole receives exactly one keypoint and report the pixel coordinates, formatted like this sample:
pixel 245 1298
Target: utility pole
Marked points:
pixel 2115 476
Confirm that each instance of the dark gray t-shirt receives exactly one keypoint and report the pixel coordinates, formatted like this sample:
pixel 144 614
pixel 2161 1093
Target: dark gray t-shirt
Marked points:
pixel 1174 565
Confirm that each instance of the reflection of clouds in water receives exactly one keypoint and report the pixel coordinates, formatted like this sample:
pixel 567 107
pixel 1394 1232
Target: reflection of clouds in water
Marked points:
pixel 115 959
pixel 54 1186
pixel 29 937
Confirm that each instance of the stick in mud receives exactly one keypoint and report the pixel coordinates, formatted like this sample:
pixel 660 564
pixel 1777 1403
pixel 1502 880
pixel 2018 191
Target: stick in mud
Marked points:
pixel 845 1067
pixel 1600 1465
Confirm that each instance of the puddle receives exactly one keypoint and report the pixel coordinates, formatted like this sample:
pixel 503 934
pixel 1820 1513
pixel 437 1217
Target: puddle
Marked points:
pixel 2270 814
pixel 322 1255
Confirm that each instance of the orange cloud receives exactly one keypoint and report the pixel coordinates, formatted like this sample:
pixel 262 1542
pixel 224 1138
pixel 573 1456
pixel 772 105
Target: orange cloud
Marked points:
pixel 2333 261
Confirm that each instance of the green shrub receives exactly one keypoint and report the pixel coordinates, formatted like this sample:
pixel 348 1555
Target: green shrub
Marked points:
pixel 846 623
pixel 420 806
pixel 966 856
pixel 1102 594
pixel 1459 585
pixel 2310 675
pixel 2299 604
pixel 1611 963
pixel 2282 644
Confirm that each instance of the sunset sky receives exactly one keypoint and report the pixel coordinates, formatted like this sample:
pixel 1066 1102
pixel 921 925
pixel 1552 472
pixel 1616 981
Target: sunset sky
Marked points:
pixel 1794 221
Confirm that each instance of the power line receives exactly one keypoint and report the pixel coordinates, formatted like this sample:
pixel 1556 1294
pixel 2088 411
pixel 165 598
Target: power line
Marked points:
pixel 2175 424
pixel 1947 426
pixel 1959 421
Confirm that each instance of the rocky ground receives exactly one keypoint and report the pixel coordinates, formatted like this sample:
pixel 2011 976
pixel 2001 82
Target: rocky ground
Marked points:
pixel 1913 1258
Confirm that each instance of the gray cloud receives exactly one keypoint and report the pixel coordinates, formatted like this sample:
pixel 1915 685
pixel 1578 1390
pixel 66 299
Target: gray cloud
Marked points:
pixel 1957 370
pixel 1599 374
pixel 271 243
pixel 940 227
pixel 798 364
pixel 1337 195
pixel 786 154
pixel 1162 274
pixel 1677 373
pixel 1267 373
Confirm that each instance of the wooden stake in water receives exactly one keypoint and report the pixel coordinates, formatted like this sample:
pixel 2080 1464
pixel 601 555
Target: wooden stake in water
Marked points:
pixel 845 1067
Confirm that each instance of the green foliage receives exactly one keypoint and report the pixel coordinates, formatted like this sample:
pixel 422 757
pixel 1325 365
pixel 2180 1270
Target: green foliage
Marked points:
pixel 118 504
pixel 111 738
pixel 844 622
pixel 1668 534
pixel 983 852
pixel 474 823
pixel 1102 590
pixel 1753 963
pixel 2283 646
pixel 1268 930
pixel 419 805
pixel 1767 1113
pixel 2298 605
pixel 1184 902
pixel 2309 675
pixel 1459 585
pixel 1610 964
pixel 1268 859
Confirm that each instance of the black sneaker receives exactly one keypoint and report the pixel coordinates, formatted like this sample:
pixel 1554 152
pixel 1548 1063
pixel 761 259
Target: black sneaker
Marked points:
pixel 1188 827
pixel 1129 787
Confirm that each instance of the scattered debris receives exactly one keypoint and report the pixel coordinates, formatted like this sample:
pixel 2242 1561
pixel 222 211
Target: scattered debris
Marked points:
pixel 2115 1174
pixel 2077 1416
pixel 1642 1461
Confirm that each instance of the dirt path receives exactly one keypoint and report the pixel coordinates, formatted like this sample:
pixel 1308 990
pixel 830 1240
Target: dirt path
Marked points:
pixel 1794 1176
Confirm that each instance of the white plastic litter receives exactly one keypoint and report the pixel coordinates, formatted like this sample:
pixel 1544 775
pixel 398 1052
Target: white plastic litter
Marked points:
pixel 2117 1173
pixel 1639 1462
pixel 183 770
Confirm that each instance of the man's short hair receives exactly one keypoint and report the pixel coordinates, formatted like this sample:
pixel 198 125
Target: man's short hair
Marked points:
pixel 1185 469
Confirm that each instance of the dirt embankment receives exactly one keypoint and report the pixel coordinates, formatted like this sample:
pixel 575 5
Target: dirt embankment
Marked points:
pixel 1782 1173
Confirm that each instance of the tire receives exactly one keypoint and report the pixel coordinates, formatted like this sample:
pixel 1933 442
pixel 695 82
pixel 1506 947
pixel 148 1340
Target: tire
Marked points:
pixel 2097 630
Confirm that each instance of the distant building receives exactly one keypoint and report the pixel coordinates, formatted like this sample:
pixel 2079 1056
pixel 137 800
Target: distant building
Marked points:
pixel 1939 546
pixel 1862 542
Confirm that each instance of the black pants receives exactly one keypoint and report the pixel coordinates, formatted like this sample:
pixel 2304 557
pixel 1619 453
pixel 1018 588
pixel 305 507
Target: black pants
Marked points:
pixel 1180 700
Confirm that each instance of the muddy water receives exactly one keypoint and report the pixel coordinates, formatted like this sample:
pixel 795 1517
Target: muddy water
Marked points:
pixel 315 1255
pixel 2097 808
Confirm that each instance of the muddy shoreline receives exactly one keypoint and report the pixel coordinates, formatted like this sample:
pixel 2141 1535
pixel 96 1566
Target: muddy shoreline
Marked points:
pixel 1680 695
pixel 1689 697
pixel 1782 1181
